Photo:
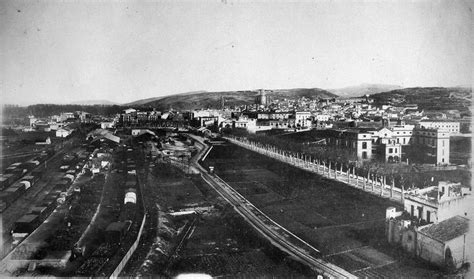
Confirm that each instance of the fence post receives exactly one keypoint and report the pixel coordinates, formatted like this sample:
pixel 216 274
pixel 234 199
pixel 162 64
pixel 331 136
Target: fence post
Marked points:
pixel 382 185
pixel 391 188
pixel 348 172
pixel 373 183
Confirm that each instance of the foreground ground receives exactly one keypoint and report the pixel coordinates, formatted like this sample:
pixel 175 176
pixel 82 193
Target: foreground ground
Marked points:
pixel 215 241
pixel 345 224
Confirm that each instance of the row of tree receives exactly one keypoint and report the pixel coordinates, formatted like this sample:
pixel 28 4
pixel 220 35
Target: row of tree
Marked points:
pixel 44 110
pixel 401 174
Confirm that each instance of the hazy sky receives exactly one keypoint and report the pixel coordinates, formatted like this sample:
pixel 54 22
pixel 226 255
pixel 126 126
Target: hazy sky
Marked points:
pixel 64 51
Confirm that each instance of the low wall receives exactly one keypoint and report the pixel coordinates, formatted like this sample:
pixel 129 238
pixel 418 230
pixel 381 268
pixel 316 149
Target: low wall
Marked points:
pixel 130 252
pixel 369 184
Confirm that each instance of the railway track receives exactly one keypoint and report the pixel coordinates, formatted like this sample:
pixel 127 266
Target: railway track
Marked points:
pixel 278 235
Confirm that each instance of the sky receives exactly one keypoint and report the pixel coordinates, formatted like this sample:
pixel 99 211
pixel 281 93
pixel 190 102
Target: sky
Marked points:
pixel 122 51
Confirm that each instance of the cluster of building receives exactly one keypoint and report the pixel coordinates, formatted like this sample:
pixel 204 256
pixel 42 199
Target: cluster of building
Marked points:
pixel 386 133
pixel 434 224
pixel 395 143
pixel 60 124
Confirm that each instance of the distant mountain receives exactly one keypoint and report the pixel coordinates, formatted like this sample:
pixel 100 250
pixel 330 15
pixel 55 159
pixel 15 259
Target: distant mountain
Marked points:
pixel 153 99
pixel 94 102
pixel 363 89
pixel 428 98
pixel 203 99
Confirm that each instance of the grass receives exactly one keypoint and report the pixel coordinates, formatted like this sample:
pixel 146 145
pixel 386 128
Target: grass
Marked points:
pixel 333 217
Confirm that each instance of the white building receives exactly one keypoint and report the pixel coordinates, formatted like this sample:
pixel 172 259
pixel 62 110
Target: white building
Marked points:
pixel 107 124
pixel 322 117
pixel 62 132
pixel 303 119
pixel 444 243
pixel 436 141
pixel 450 126
pixel 437 203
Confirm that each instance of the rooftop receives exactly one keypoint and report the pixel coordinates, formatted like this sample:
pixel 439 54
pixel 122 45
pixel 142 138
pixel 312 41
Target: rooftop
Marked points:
pixel 448 229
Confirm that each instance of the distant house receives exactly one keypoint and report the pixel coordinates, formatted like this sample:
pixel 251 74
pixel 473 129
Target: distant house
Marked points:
pixel 138 132
pixel 63 132
pixel 43 141
pixel 450 126
pixel 130 110
pixel 107 125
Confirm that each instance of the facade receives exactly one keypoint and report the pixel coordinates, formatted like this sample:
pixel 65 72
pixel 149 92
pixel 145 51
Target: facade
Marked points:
pixel 107 125
pixel 432 144
pixel 451 126
pixel 62 133
pixel 66 115
pixel 390 152
pixel 444 243
pixel 360 143
pixel 403 134
pixel 437 203
pixel 262 99
pixel 322 117
pixel 303 119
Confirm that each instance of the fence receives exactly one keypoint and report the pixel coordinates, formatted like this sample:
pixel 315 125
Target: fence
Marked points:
pixel 130 252
pixel 371 184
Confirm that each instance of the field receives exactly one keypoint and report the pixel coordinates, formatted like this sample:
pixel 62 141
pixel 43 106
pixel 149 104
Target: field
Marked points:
pixel 342 222
pixel 220 242
pixel 223 244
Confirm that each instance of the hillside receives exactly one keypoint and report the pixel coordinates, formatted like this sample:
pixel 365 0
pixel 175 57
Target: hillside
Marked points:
pixel 428 98
pixel 363 89
pixel 94 102
pixel 195 100
pixel 153 99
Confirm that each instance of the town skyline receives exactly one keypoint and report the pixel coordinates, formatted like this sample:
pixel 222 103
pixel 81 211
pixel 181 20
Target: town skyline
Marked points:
pixel 49 58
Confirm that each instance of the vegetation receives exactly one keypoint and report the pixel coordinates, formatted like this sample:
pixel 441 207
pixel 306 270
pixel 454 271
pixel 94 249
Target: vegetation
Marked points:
pixel 428 98
pixel 10 113
pixel 232 98
pixel 401 174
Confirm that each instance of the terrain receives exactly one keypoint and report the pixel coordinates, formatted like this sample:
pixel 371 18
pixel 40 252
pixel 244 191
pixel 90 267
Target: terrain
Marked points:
pixel 94 102
pixel 363 89
pixel 428 98
pixel 203 99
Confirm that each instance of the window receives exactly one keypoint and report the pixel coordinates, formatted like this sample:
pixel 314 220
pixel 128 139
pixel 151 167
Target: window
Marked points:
pixel 412 210
pixel 390 150
pixel 364 155
pixel 404 140
pixel 428 216
pixel 396 150
pixel 364 145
